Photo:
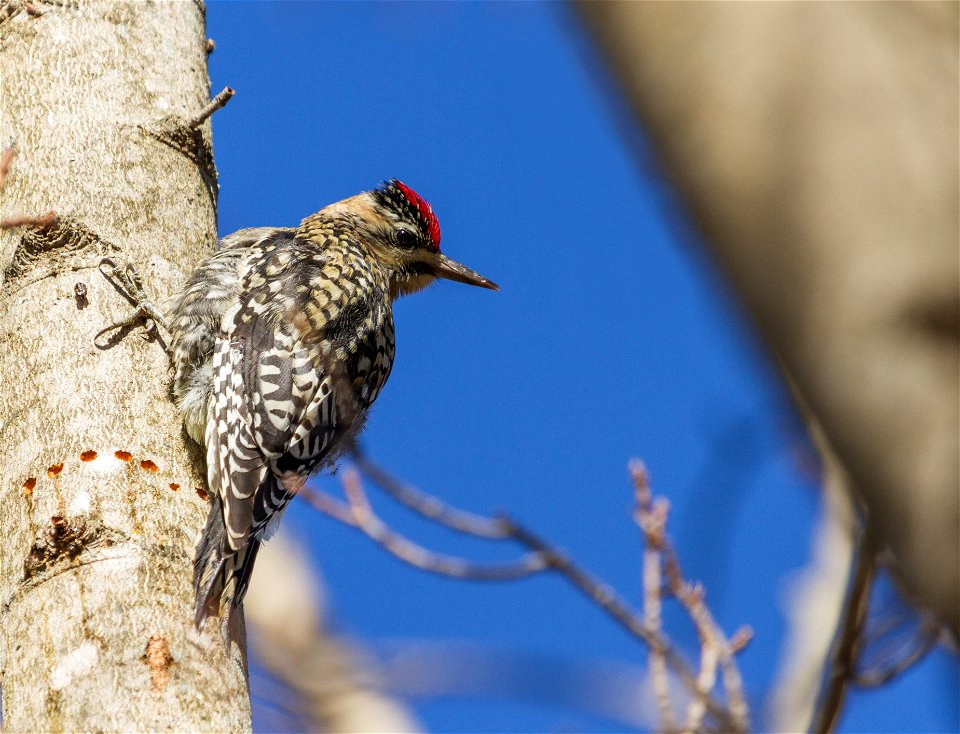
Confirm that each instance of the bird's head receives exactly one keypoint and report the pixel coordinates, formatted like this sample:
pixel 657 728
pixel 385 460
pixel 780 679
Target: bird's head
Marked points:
pixel 403 234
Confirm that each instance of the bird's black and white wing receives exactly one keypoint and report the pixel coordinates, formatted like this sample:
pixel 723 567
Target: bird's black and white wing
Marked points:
pixel 280 400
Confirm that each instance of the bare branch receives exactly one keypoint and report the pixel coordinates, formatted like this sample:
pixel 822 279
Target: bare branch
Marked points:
pixel 215 104
pixel 428 506
pixel 861 383
pixel 20 220
pixel 707 680
pixel 326 680
pixel 817 597
pixel 651 516
pixel 654 526
pixel 359 514
pixel 6 158
pixel 503 527
pixel 847 646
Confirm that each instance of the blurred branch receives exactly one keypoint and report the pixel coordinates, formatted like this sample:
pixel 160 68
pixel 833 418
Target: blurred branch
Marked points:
pixel 817 599
pixel 331 684
pixel 357 512
pixel 442 669
pixel 924 640
pixel 848 643
pixel 828 611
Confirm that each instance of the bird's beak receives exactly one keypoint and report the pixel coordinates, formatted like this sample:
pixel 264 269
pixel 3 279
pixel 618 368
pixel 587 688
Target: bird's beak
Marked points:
pixel 444 267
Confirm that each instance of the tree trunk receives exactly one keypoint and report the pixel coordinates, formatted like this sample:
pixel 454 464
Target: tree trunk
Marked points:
pixel 817 146
pixel 96 627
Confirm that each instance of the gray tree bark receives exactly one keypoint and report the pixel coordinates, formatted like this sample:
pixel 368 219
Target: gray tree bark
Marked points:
pixel 101 495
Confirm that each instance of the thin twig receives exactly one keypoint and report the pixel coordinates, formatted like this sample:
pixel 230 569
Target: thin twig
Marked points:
pixel 714 647
pixel 358 514
pixel 692 597
pixel 651 516
pixel 653 526
pixel 740 639
pixel 733 684
pixel 20 220
pixel 6 158
pixel 503 527
pixel 659 679
pixel 428 506
pixel 707 680
pixel 712 651
pixel 215 104
pixel 330 506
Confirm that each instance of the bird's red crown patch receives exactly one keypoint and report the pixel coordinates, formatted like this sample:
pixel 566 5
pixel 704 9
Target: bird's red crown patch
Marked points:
pixel 412 201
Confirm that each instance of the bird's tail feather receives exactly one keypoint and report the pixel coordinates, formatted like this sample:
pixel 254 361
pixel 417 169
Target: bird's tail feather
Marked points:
pixel 220 578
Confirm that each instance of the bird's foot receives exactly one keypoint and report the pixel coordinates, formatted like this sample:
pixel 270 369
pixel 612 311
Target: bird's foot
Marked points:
pixel 127 280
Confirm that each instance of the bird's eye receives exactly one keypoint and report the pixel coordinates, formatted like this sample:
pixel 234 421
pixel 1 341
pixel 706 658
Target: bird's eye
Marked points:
pixel 405 238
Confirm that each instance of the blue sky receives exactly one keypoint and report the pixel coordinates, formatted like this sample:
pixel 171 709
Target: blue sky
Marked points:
pixel 613 337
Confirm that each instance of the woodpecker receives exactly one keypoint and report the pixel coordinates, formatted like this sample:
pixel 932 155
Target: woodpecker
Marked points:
pixel 281 341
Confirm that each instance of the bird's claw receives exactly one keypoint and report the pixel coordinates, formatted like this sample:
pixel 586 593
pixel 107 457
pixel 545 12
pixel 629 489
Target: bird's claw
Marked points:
pixel 127 281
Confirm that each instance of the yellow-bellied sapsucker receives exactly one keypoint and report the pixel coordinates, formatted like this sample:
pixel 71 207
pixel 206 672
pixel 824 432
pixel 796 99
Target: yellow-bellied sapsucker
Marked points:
pixel 281 341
